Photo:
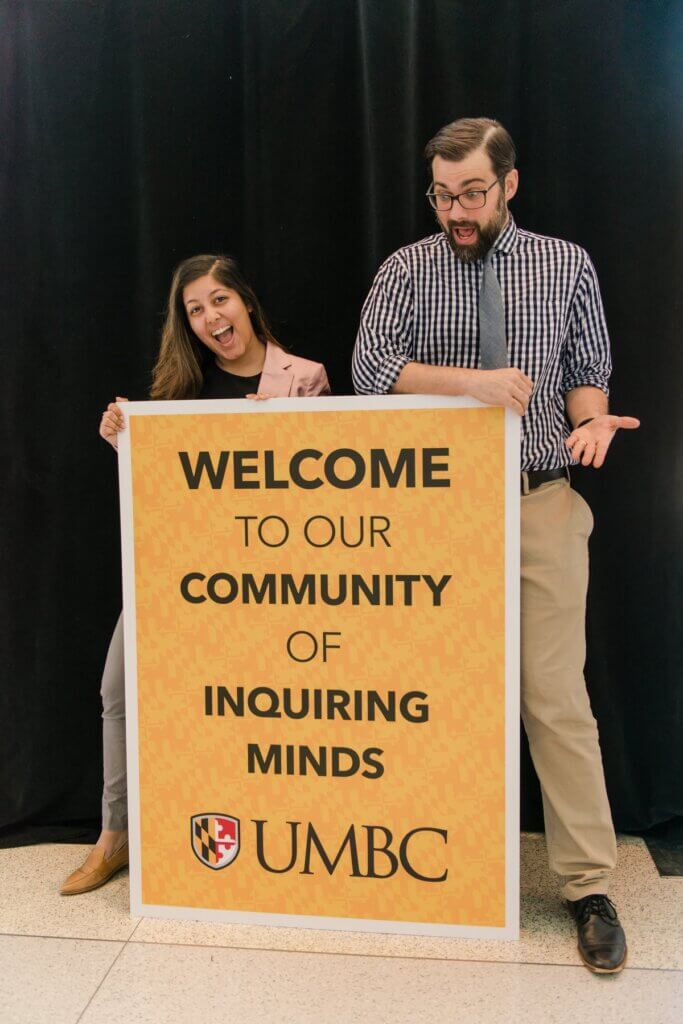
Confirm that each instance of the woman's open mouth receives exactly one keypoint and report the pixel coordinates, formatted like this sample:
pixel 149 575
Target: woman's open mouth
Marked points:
pixel 223 335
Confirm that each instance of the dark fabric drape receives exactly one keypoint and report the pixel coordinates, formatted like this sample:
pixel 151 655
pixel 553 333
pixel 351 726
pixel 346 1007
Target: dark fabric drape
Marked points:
pixel 138 132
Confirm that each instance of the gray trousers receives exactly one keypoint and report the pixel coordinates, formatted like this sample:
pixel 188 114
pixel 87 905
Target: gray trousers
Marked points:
pixel 113 690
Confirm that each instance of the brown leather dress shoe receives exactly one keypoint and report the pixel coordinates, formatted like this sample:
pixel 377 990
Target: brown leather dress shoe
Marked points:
pixel 95 870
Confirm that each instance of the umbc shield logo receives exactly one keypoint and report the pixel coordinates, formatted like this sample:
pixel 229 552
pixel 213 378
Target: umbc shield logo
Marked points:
pixel 215 839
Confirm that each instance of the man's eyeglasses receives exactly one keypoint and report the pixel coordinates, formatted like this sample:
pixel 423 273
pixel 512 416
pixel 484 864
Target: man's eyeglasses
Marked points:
pixel 473 199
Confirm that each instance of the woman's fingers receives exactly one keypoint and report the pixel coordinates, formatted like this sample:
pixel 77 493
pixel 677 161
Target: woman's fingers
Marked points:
pixel 114 421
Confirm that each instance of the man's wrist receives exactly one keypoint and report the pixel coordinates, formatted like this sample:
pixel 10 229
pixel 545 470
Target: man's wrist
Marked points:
pixel 588 419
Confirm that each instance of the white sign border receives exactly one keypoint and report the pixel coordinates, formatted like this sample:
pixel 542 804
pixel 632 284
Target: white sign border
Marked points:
pixel 510 930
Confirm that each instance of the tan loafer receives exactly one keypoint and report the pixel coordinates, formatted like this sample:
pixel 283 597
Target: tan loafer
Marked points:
pixel 95 870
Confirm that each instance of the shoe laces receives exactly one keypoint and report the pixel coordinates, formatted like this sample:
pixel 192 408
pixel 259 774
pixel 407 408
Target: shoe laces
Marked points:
pixel 602 906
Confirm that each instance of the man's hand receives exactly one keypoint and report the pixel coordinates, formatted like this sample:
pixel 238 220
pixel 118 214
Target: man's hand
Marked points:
pixel 508 387
pixel 589 444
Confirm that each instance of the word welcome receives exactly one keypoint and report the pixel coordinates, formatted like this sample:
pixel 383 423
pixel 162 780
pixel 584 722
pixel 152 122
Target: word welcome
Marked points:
pixel 343 468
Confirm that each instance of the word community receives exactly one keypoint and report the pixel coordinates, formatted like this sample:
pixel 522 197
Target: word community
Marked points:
pixel 284 588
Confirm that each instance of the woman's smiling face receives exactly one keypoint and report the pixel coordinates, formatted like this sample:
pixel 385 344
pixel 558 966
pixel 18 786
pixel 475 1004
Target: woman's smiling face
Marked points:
pixel 219 318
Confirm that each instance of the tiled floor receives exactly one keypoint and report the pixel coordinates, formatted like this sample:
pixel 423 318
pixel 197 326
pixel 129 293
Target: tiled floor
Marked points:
pixel 84 959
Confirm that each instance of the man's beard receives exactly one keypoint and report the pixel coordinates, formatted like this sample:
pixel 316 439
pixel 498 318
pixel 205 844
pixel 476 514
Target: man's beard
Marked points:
pixel 486 235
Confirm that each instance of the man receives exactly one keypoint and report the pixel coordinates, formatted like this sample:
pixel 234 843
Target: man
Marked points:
pixel 485 309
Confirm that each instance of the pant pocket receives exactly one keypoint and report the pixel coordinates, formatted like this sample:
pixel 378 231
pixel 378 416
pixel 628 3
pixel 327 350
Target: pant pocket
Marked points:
pixel 583 511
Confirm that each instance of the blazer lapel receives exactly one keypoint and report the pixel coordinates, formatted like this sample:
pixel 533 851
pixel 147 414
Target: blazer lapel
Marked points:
pixel 276 376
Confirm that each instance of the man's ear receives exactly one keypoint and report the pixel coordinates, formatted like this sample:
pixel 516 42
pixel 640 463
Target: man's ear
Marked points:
pixel 511 184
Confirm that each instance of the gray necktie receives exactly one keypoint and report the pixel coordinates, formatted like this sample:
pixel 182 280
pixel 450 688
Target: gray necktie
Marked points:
pixel 492 343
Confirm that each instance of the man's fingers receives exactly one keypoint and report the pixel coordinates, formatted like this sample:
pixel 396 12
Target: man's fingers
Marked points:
pixel 588 453
pixel 628 422
pixel 521 374
pixel 526 381
pixel 577 447
pixel 521 396
pixel 513 403
pixel 600 452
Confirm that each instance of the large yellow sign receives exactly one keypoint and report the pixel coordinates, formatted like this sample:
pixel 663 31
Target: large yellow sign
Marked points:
pixel 321 659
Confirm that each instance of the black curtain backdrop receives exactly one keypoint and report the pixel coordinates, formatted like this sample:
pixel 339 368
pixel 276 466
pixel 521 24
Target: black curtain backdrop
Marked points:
pixel 289 133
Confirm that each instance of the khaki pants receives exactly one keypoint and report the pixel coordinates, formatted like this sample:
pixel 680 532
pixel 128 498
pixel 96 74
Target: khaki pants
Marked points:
pixel 562 732
pixel 113 691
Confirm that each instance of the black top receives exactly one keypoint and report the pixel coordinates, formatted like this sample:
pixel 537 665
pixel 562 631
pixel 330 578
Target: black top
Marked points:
pixel 223 384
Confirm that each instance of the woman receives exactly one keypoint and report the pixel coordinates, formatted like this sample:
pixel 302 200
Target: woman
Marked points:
pixel 215 343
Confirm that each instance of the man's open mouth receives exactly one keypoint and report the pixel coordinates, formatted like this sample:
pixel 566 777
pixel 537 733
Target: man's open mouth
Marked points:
pixel 465 234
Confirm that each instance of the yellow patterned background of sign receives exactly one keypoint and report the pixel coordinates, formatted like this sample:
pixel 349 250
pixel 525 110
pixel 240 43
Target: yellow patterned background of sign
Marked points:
pixel 446 774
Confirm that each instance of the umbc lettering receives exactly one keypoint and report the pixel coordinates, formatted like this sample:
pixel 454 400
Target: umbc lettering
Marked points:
pixel 253 470
pixel 380 859
pixel 338 762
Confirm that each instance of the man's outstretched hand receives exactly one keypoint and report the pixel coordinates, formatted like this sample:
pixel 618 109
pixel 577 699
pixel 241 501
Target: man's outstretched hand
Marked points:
pixel 589 444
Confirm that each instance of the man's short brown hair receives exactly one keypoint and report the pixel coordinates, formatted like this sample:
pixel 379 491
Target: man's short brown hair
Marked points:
pixel 454 141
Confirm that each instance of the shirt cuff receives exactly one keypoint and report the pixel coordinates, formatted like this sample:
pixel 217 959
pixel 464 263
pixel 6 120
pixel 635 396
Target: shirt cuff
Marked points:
pixel 388 372
pixel 585 380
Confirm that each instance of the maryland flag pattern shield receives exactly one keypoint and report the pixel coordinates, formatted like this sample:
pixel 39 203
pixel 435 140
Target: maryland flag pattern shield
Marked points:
pixel 215 839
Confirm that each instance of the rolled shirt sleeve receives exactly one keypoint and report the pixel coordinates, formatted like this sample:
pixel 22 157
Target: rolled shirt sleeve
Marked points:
pixel 385 337
pixel 586 359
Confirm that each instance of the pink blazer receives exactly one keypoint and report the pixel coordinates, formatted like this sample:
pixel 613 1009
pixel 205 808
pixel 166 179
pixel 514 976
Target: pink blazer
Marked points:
pixel 288 376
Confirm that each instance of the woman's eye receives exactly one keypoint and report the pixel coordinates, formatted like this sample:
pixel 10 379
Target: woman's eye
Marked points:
pixel 221 298
pixel 193 310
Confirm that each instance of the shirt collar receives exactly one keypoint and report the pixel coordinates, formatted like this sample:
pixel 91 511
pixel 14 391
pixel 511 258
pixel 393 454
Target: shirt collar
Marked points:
pixel 507 239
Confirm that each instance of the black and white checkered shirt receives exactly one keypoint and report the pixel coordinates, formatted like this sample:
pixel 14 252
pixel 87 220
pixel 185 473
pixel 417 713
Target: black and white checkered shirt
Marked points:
pixel 423 307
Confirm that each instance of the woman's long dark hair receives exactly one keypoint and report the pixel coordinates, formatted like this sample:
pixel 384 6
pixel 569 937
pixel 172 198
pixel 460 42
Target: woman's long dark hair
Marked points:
pixel 178 369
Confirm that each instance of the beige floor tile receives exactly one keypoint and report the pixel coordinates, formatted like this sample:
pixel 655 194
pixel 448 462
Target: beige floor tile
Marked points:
pixel 152 984
pixel 651 909
pixel 30 903
pixel 50 979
